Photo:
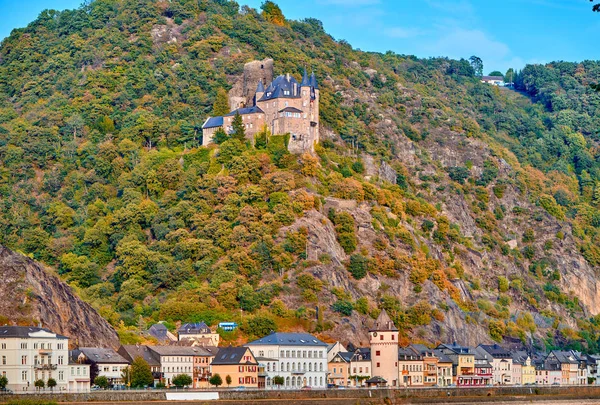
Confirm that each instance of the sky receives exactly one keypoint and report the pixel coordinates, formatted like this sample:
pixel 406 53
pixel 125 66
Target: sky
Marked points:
pixel 506 33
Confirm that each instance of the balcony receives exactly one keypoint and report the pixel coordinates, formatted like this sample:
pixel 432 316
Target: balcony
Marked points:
pixel 45 366
pixel 44 352
pixel 298 372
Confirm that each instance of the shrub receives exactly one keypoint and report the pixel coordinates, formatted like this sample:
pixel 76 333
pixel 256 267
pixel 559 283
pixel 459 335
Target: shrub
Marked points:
pixel 182 380
pixel 502 284
pixel 343 307
pixel 101 381
pixel 358 266
pixel 216 380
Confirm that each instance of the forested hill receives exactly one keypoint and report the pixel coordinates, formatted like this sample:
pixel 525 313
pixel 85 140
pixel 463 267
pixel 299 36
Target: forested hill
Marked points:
pixel 490 232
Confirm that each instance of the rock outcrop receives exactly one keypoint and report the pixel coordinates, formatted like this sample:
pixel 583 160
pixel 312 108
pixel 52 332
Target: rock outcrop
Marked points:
pixel 32 295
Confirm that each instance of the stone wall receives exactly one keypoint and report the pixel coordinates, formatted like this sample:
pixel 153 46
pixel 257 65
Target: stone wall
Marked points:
pixel 243 90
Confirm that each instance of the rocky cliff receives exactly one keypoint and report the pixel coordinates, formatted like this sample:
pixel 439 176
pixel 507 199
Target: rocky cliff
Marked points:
pixel 32 295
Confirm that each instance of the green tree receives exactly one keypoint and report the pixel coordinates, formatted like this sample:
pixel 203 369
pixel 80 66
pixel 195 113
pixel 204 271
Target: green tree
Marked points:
pixel 141 375
pixel 220 136
pixel 343 307
pixel 182 380
pixel 239 129
pixel 102 382
pixel 51 383
pixel 228 380
pixel 496 73
pixel 39 384
pixel 278 380
pixel 3 382
pixel 221 104
pixel 358 266
pixel 259 326
pixel 216 380
pixel 510 75
pixel 261 138
pixel 477 65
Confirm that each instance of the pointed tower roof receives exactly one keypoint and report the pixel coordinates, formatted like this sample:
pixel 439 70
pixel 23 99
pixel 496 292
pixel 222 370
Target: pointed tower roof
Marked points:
pixel 260 88
pixel 313 81
pixel 384 323
pixel 305 82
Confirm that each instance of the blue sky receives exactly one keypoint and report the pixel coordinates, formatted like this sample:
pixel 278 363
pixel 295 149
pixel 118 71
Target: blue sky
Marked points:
pixel 503 33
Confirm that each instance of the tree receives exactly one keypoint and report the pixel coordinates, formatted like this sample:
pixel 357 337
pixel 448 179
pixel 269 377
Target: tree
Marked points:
pixel 39 384
pixel 596 7
pixel 259 326
pixel 358 266
pixel 278 380
pixel 220 136
pixel 51 383
pixel 228 380
pixel 510 75
pixel 272 13
pixel 182 380
pixel 239 130
pixel 261 138
pixel 141 375
pixel 3 382
pixel 477 65
pixel 216 380
pixel 102 382
pixel 221 105
pixel 496 73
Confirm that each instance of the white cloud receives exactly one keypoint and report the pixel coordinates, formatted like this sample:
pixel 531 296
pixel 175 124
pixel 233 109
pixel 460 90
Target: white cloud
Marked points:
pixel 402 33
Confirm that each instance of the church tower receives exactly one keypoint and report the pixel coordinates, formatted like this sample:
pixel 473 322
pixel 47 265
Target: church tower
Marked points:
pixel 384 349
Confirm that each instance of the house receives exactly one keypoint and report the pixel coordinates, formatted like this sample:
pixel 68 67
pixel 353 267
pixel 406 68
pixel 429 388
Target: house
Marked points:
pixel 199 332
pixel 444 371
pixel 202 363
pixel 339 369
pixel 238 363
pixel 132 352
pixel 572 366
pixel 493 80
pixel 333 349
pixel 79 378
pixel 547 372
pixel 283 107
pixel 175 360
pixel 463 363
pixel 523 368
pixel 592 361
pixel 410 367
pixel 104 362
pixel 430 364
pixel 360 366
pixel 161 333
pixel 517 368
pixel 383 338
pixel 501 361
pixel 30 353
pixel 300 358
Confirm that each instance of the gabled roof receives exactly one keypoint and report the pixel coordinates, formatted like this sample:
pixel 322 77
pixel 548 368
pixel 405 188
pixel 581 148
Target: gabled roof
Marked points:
pixel 288 339
pixel 455 348
pixel 244 111
pixel 442 358
pixel 194 329
pixel 131 352
pixel 282 87
pixel 102 355
pixel 384 323
pixel 496 351
pixel 346 356
pixel 178 350
pixel 24 331
pixel 565 357
pixel 213 122
pixel 364 352
pixel 407 354
pixel 232 355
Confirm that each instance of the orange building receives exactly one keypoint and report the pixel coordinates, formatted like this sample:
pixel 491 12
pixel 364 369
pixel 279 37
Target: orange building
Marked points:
pixel 238 363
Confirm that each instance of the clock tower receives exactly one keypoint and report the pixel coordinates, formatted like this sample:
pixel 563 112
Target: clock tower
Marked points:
pixel 384 349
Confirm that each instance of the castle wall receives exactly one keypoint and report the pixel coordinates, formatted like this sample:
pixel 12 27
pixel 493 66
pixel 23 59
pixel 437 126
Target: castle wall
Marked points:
pixel 253 123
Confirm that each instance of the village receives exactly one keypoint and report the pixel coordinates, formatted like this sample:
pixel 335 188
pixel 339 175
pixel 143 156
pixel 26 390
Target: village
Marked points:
pixel 34 359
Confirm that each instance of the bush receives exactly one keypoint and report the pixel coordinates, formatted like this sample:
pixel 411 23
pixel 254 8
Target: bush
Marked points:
pixel 343 307
pixel 182 380
pixel 101 381
pixel 358 266
pixel 216 380
pixel 502 284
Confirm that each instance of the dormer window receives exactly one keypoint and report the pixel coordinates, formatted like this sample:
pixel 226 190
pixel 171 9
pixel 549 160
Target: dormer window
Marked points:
pixel 286 92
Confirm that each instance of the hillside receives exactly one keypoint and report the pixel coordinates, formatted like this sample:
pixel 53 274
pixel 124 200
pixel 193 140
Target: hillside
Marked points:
pixel 32 296
pixel 485 229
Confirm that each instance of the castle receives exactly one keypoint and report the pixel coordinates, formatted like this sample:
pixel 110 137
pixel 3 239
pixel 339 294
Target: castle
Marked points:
pixel 284 107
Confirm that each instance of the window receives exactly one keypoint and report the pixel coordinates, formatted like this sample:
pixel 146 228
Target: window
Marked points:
pixel 381 337
pixel 378 365
pixel 377 353
pixel 115 369
pixel 23 359
pixel 393 337
pixel 60 360
pixel 4 346
pixel 42 346
pixel 61 346
pixel 4 360
pixel 35 345
pixel 61 375
pixel 23 375
pixel 24 346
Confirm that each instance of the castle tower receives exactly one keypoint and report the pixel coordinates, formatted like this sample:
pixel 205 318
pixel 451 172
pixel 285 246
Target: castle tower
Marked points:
pixel 314 110
pixel 384 349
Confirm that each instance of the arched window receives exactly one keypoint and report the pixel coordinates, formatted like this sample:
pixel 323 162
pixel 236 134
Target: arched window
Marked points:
pixel 310 381
pixel 287 381
pixel 320 366
pixel 309 366
pixel 321 381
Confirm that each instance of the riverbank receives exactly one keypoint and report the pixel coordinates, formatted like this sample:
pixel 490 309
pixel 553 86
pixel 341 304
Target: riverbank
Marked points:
pixel 497 395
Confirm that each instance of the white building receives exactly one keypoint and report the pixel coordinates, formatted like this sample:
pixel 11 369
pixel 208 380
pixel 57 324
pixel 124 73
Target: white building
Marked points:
pixel 28 354
pixel 198 332
pixel 175 360
pixel 300 358
pixel 109 363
